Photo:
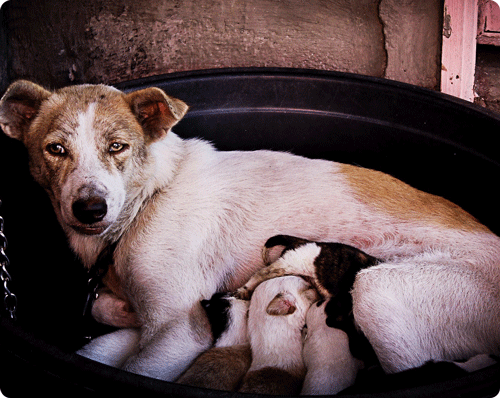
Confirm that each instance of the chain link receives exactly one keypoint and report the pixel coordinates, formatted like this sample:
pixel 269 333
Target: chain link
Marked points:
pixel 9 298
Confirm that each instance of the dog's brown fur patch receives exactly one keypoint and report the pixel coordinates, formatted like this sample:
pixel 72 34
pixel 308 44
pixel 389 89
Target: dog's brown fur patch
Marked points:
pixel 399 200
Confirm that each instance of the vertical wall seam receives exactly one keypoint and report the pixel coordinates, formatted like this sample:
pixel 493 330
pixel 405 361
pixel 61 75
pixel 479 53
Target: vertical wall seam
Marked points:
pixel 384 38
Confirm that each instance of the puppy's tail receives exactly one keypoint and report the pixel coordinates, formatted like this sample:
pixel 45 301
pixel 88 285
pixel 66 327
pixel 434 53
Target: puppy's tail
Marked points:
pixel 276 246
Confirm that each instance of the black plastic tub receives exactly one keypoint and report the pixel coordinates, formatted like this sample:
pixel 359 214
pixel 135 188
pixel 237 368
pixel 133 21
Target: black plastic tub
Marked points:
pixel 432 141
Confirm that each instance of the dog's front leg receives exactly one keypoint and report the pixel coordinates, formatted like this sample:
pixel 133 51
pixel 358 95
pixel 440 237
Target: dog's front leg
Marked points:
pixel 168 349
pixel 112 349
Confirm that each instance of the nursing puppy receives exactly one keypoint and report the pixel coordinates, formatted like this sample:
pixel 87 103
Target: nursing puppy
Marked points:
pixel 331 268
pixel 228 319
pixel 189 221
pixel 223 366
pixel 276 318
pixel 330 365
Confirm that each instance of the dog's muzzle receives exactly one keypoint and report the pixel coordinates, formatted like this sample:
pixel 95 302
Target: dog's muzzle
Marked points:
pixel 90 211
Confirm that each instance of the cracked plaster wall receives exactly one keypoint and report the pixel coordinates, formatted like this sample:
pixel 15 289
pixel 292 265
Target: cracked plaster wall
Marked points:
pixel 56 42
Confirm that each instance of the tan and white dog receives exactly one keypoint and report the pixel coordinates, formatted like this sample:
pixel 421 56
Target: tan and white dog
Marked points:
pixel 190 221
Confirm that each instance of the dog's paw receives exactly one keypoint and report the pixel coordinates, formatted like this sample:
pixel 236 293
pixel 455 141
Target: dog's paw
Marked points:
pixel 243 293
pixel 111 310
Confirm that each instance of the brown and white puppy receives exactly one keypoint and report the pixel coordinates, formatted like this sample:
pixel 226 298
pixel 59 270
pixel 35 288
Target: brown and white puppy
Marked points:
pixel 190 221
pixel 331 268
pixel 276 318
pixel 223 366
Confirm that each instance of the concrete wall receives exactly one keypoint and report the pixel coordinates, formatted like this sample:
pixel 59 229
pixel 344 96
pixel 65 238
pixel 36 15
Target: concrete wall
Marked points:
pixel 60 42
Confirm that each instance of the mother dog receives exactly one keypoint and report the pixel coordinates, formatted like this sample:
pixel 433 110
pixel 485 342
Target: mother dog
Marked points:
pixel 190 221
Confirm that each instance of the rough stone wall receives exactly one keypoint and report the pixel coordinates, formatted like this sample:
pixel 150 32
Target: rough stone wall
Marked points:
pixel 487 79
pixel 56 42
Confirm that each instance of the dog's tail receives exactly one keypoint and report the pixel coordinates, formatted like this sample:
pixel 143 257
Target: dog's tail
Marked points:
pixel 276 246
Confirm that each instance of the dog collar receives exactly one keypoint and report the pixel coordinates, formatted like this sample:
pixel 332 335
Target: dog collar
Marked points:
pixel 94 280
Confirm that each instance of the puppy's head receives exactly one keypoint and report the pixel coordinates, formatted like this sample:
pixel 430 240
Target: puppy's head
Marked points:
pixel 228 319
pixel 283 296
pixel 88 145
pixel 296 294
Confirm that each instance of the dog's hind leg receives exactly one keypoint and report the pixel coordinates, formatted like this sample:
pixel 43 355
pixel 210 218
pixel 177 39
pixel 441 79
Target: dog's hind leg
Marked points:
pixel 416 311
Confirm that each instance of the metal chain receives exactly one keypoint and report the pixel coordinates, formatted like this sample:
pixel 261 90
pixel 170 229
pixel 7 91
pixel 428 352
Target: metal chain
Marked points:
pixel 9 298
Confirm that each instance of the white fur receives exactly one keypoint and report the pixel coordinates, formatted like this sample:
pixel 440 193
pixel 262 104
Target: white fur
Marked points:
pixel 426 311
pixel 276 340
pixel 113 349
pixel 330 366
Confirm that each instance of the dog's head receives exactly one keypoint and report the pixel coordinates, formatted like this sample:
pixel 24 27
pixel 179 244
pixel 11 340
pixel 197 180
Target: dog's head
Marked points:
pixel 87 144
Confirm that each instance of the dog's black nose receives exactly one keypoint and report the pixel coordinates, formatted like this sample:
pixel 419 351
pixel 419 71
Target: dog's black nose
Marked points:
pixel 90 211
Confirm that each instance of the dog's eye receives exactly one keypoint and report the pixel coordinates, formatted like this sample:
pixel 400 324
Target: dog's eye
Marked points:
pixel 56 149
pixel 117 147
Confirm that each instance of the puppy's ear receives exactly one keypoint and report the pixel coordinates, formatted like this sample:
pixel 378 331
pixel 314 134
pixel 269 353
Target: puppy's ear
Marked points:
pixel 156 111
pixel 282 304
pixel 311 295
pixel 19 106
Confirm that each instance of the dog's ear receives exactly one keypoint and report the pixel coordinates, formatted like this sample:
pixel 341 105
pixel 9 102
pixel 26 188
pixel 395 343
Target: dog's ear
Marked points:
pixel 19 106
pixel 156 111
pixel 282 304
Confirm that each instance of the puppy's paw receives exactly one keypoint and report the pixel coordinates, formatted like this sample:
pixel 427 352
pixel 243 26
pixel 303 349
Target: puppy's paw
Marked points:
pixel 243 293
